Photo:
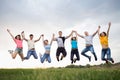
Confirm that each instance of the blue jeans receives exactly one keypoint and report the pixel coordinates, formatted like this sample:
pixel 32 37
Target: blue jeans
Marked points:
pixel 108 53
pixel 91 49
pixel 31 52
pixel 45 56
pixel 75 52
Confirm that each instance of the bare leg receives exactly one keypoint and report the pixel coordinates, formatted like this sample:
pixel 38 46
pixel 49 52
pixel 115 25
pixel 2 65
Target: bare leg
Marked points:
pixel 14 55
pixel 22 57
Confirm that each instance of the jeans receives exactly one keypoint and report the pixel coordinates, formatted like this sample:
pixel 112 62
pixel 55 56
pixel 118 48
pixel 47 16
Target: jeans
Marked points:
pixel 91 49
pixel 31 52
pixel 45 56
pixel 75 52
pixel 108 53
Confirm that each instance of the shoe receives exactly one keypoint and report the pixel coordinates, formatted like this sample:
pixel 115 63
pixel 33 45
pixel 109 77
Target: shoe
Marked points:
pixel 106 61
pixel 95 59
pixel 57 58
pixel 61 57
pixel 112 61
pixel 10 51
pixel 40 55
pixel 90 59
pixel 74 60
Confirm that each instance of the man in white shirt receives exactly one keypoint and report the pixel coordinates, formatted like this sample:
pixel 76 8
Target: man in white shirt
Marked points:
pixel 89 44
pixel 31 46
pixel 61 48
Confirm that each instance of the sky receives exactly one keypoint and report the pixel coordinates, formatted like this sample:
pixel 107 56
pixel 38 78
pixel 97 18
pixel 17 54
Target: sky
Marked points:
pixel 50 16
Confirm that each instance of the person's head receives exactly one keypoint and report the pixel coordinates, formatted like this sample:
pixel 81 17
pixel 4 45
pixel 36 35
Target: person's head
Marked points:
pixel 73 38
pixel 31 36
pixel 103 34
pixel 60 33
pixel 18 37
pixel 86 33
pixel 45 42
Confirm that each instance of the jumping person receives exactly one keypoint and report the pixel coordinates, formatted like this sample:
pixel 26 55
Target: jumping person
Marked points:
pixel 89 44
pixel 47 47
pixel 105 45
pixel 19 48
pixel 61 48
pixel 31 46
pixel 74 50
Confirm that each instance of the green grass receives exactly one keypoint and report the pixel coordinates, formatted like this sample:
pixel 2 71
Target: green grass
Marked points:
pixel 61 74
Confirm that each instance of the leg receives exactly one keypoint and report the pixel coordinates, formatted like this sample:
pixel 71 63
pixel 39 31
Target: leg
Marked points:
pixel 77 55
pixel 42 59
pixel 14 55
pixel 72 55
pixel 21 55
pixel 28 54
pixel 64 53
pixel 35 55
pixel 103 55
pixel 84 51
pixel 58 54
pixel 48 58
pixel 109 55
pixel 93 52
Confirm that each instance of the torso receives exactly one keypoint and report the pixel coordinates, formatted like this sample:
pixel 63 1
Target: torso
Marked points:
pixel 88 40
pixel 74 44
pixel 60 41
pixel 31 44
pixel 19 43
pixel 47 49
pixel 104 42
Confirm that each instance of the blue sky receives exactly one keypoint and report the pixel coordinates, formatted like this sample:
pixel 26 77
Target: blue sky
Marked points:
pixel 50 16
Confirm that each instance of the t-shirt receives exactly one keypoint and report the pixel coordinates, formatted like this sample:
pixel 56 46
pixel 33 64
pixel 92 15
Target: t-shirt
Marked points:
pixel 74 44
pixel 104 40
pixel 60 41
pixel 47 47
pixel 89 39
pixel 31 44
pixel 19 43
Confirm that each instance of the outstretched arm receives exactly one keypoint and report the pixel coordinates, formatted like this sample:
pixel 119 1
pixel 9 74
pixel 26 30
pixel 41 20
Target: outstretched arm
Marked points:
pixel 69 35
pixel 23 36
pixel 99 31
pixel 95 32
pixel 38 39
pixel 10 34
pixel 109 25
pixel 52 39
pixel 42 39
pixel 79 35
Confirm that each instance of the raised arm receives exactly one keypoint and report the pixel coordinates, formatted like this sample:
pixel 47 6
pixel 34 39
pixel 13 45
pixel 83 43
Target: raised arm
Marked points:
pixel 52 39
pixel 69 35
pixel 43 39
pixel 79 35
pixel 109 25
pixel 95 32
pixel 38 39
pixel 99 31
pixel 10 34
pixel 23 36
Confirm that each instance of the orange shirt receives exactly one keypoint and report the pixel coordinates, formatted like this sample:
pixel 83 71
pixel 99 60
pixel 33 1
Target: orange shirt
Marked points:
pixel 104 40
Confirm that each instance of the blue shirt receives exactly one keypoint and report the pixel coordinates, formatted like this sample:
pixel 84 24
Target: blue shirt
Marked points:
pixel 47 47
pixel 74 44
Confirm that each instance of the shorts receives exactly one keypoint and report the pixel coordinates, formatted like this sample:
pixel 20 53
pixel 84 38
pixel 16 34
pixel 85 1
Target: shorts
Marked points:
pixel 61 50
pixel 19 50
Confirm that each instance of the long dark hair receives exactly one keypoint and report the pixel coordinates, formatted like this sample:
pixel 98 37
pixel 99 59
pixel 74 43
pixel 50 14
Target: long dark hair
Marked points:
pixel 103 33
pixel 18 36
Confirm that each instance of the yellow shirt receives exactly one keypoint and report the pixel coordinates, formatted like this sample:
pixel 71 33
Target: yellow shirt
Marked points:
pixel 104 40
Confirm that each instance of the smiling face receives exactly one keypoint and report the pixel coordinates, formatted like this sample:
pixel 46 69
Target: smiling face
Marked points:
pixel 18 37
pixel 103 34
pixel 31 36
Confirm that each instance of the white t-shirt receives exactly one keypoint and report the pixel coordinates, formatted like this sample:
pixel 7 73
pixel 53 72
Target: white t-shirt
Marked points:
pixel 60 41
pixel 89 39
pixel 31 44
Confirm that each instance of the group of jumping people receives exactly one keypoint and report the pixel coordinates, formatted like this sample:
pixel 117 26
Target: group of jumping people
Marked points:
pixel 103 37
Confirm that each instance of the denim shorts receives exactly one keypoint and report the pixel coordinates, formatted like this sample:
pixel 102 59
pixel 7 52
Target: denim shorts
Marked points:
pixel 19 50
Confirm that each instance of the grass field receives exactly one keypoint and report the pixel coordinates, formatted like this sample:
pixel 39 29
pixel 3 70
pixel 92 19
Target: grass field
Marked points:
pixel 92 73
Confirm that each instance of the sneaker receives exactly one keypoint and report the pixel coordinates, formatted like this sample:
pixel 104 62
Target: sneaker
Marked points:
pixel 74 60
pixel 61 57
pixel 90 59
pixel 40 55
pixel 106 61
pixel 112 61
pixel 57 58
pixel 10 51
